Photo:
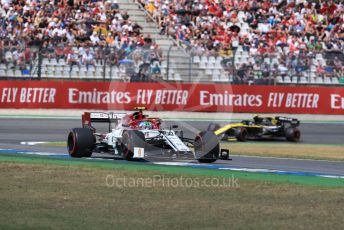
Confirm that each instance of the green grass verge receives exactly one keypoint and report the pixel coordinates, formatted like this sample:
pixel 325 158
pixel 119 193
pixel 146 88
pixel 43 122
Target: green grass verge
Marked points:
pixel 121 164
pixel 73 194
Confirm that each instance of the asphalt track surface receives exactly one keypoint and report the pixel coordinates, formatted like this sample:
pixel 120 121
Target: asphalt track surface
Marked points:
pixel 14 131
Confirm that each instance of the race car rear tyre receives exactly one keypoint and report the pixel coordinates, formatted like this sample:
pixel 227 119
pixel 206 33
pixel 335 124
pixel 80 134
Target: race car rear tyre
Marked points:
pixel 213 127
pixel 80 142
pixel 242 134
pixel 130 140
pixel 293 134
pixel 207 147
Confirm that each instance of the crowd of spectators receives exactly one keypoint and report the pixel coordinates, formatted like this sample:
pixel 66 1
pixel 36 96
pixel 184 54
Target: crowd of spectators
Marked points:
pixel 94 32
pixel 299 65
pixel 78 32
pixel 295 29
pixel 212 25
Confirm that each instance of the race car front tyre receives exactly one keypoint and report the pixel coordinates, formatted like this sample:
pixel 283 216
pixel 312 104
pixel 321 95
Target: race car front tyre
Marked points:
pixel 207 147
pixel 241 134
pixel 293 134
pixel 80 142
pixel 130 140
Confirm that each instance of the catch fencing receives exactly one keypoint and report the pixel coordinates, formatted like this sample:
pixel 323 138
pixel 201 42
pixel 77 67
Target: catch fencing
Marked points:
pixel 152 64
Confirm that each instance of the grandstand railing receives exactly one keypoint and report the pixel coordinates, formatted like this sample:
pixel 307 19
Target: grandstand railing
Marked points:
pixel 149 64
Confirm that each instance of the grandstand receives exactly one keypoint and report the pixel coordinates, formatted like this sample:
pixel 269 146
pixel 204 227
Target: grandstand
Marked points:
pixel 239 42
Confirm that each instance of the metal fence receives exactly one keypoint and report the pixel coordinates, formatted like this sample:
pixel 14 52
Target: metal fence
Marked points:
pixel 285 67
pixel 151 63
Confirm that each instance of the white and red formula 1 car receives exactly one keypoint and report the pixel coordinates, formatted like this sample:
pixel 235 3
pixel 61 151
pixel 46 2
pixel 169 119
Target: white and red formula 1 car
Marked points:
pixel 137 136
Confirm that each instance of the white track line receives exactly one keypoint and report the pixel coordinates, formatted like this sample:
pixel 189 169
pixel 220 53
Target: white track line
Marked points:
pixel 285 158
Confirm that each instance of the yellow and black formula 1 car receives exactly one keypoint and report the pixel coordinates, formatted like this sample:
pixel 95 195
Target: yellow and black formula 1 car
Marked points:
pixel 259 128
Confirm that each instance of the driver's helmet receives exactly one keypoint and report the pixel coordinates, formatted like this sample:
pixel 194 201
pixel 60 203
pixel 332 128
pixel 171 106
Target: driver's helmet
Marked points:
pixel 257 119
pixel 274 121
pixel 145 125
pixel 136 115
pixel 261 120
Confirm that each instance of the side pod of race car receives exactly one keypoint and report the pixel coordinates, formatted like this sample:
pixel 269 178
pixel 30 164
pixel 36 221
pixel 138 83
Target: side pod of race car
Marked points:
pixel 259 128
pixel 137 136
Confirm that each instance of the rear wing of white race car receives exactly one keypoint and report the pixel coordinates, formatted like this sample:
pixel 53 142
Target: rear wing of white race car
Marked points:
pixel 100 117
